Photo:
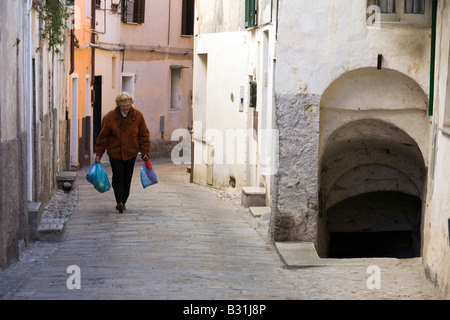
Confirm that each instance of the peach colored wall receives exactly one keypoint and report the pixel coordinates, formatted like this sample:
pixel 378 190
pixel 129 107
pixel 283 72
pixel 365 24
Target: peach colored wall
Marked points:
pixel 82 26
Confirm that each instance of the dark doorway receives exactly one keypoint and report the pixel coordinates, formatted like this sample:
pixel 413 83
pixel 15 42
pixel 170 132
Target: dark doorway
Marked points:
pixel 390 244
pixel 97 96
pixel 377 224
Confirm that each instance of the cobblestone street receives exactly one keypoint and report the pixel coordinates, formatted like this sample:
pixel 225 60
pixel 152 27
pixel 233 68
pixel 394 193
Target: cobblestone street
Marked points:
pixel 182 241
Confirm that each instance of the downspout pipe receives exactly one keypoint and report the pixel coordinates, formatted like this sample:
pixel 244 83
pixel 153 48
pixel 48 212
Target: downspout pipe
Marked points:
pixel 93 40
pixel 72 51
pixel 433 56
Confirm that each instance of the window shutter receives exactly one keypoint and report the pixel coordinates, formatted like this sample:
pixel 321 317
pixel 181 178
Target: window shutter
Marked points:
pixel 250 13
pixel 247 9
pixel 124 10
pixel 141 11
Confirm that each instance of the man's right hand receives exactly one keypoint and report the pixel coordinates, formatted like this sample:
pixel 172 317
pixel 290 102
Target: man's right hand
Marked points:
pixel 98 159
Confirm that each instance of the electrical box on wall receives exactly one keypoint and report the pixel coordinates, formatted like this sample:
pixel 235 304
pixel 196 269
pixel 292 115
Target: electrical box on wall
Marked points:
pixel 241 99
pixel 253 94
pixel 161 124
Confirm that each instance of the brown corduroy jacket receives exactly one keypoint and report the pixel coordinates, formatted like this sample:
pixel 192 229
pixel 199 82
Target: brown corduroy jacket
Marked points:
pixel 122 138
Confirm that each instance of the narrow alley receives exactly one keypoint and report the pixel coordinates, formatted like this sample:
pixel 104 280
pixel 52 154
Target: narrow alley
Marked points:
pixel 182 241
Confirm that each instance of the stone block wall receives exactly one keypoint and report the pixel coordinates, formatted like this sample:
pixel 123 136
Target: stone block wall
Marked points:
pixel 13 199
pixel 295 202
pixel 161 149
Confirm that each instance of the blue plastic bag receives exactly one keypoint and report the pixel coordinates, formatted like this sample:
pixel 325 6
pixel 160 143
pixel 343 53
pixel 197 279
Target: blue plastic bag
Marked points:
pixel 148 175
pixel 90 174
pixel 98 177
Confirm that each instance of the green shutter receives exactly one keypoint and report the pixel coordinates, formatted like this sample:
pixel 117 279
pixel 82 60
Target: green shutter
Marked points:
pixel 250 13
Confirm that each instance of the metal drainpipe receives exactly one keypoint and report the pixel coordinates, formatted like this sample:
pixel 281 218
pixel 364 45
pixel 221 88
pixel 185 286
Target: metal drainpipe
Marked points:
pixel 93 20
pixel 72 51
pixel 433 55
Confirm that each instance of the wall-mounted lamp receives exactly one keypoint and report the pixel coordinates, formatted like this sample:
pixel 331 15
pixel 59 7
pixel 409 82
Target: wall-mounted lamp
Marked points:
pixel 380 60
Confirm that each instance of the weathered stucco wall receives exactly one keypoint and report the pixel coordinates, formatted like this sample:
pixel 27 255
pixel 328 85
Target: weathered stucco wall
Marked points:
pixel 326 77
pixel 318 41
pixel 147 53
pixel 13 194
pixel 219 16
pixel 218 111
pixel 436 252
pixel 227 57
pixel 32 108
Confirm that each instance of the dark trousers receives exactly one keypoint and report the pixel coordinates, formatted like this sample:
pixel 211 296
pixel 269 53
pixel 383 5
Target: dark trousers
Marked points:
pixel 122 173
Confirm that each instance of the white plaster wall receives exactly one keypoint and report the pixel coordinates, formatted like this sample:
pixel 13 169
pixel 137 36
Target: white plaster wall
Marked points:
pixel 436 252
pixel 219 15
pixel 227 73
pixel 245 55
pixel 318 41
pixel 103 67
pixel 385 94
pixel 12 17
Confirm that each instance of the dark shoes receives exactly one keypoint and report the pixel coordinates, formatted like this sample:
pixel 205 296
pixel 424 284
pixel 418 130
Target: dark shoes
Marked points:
pixel 120 206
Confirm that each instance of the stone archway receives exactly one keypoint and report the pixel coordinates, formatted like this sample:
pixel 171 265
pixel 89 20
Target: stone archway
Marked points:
pixel 371 166
pixel 371 180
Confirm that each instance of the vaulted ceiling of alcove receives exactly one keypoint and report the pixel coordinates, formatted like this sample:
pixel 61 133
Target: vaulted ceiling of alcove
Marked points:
pixel 372 89
pixel 368 156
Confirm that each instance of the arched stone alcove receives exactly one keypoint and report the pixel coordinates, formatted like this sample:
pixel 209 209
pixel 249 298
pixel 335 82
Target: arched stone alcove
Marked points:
pixel 371 181
pixel 372 172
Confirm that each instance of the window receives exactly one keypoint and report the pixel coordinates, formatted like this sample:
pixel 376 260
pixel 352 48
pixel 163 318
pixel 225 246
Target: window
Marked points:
pixel 128 83
pixel 250 13
pixel 175 88
pixel 411 12
pixel 133 11
pixel 113 72
pixel 187 23
pixel 386 6
pixel 88 8
pixel 414 6
pixel 98 4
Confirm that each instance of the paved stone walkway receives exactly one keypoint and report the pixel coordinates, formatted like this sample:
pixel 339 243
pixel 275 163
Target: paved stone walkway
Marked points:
pixel 182 241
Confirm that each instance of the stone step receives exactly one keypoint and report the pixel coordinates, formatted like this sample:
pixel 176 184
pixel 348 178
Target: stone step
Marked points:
pixel 66 180
pixel 34 217
pixel 51 229
pixel 253 197
pixel 299 254
pixel 258 212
